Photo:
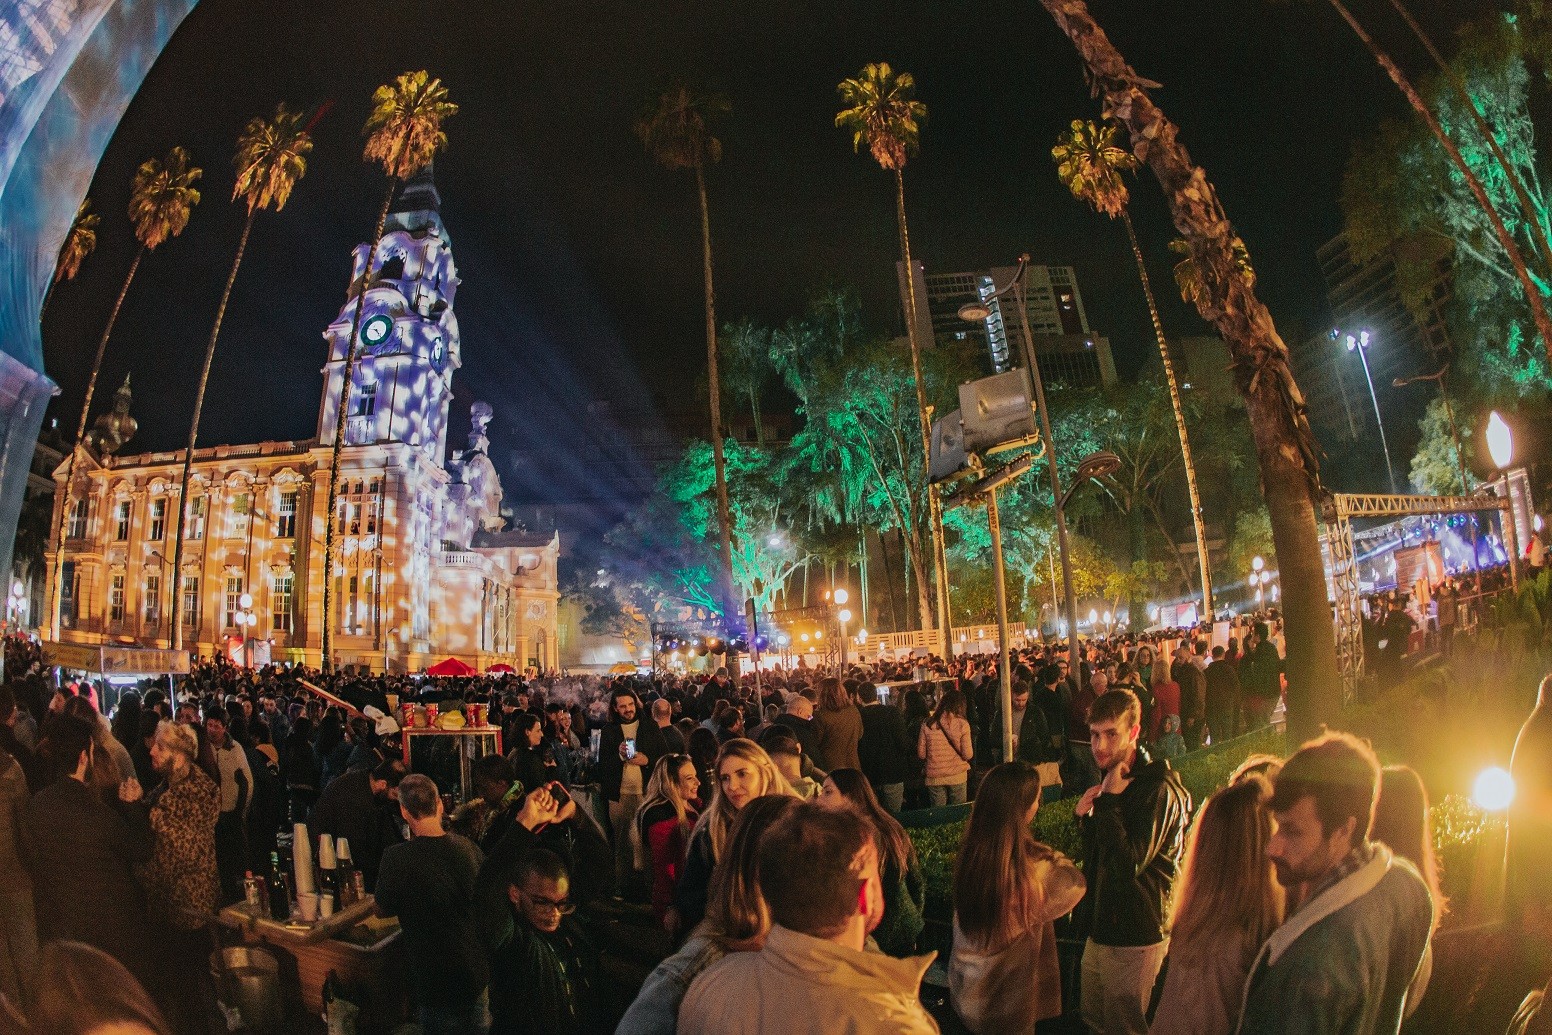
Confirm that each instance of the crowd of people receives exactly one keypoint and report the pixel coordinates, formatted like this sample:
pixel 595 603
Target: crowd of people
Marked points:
pixel 760 825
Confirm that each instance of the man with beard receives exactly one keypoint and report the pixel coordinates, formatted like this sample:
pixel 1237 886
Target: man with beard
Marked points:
pixel 360 806
pixel 629 748
pixel 1134 825
pixel 1344 960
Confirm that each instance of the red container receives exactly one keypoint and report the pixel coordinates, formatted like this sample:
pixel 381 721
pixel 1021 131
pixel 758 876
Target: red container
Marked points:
pixel 431 716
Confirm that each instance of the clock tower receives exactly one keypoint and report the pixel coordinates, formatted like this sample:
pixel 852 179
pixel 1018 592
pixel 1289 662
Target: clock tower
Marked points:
pixel 408 346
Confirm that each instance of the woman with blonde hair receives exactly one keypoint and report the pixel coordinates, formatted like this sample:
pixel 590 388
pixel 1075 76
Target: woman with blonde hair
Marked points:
pixel 736 921
pixel 663 823
pixel 1008 891
pixel 743 773
pixel 837 727
pixel 1227 902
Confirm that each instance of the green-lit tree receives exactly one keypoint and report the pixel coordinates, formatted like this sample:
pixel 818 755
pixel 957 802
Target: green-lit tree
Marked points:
pixel 271 157
pixel 1285 446
pixel 162 196
pixel 403 134
pixel 746 366
pixel 1436 468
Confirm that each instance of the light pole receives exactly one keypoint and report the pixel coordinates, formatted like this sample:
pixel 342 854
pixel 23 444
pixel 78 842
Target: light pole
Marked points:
pixel 977 312
pixel 840 596
pixel 988 487
pixel 246 620
pixel 1360 345
pixel 1460 458
pixel 1500 446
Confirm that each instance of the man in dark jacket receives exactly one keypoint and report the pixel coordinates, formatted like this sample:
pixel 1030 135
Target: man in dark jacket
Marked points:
pixel 1134 826
pixel 884 750
pixel 1222 697
pixel 630 746
pixel 82 855
pixel 1193 694
pixel 1344 961
pixel 360 806
pixel 1260 677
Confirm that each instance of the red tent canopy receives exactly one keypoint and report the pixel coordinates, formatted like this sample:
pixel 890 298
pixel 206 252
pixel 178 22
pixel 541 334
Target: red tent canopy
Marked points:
pixel 452 667
pixel 500 667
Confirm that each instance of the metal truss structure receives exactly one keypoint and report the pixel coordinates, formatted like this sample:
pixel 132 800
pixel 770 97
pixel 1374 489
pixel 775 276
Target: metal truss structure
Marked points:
pixel 1338 511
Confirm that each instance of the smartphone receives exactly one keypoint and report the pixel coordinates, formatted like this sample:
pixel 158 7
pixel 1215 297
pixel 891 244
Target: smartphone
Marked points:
pixel 559 793
pixel 630 747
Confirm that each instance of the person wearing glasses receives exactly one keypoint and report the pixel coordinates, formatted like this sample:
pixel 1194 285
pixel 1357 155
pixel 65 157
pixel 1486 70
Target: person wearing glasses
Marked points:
pixel 545 977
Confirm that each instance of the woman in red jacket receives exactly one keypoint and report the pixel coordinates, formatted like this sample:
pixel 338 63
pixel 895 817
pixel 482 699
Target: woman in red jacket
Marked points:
pixel 663 823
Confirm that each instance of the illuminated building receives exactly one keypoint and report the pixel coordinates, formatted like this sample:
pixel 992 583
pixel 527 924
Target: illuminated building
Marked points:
pixel 1070 353
pixel 424 567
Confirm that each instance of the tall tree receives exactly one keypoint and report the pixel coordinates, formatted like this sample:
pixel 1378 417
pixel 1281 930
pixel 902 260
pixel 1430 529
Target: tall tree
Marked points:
pixel 162 196
pixel 882 112
pixel 403 134
pixel 1285 446
pixel 271 157
pixel 1089 163
pixel 80 242
pixel 677 134
pixel 1534 293
pixel 746 351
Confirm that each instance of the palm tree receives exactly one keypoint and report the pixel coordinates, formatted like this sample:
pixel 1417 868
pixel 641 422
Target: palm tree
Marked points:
pixel 271 157
pixel 403 134
pixel 1089 163
pixel 1285 447
pixel 677 134
pixel 881 112
pixel 1533 293
pixel 80 241
pixel 162 196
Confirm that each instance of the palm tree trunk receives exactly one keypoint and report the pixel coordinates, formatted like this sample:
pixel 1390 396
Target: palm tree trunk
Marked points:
pixel 1285 446
pixel 1180 418
pixel 80 432
pixel 754 413
pixel 934 513
pixel 889 580
pixel 188 454
pixel 331 499
pixel 1533 223
pixel 724 512
pixel 1533 295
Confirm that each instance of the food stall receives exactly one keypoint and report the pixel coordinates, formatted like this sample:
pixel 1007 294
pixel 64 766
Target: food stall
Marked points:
pixel 445 745
pixel 116 665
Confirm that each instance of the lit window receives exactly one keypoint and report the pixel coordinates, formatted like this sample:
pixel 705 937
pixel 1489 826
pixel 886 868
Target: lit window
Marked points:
pixel 191 600
pixel 239 516
pixel 78 519
pixel 281 597
pixel 196 522
pixel 158 522
pixel 153 600
pixel 366 400
pixel 234 592
pixel 116 598
pixel 285 522
pixel 121 521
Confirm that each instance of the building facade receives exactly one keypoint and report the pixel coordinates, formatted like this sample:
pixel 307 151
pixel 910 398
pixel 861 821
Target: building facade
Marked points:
pixel 1068 350
pixel 424 567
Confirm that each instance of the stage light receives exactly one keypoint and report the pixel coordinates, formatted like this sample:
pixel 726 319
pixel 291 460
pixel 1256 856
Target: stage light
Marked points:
pixel 1493 790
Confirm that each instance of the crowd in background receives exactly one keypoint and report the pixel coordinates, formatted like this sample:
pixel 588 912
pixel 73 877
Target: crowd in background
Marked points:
pixel 758 821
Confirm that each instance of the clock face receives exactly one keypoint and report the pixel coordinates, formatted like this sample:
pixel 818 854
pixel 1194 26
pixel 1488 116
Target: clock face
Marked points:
pixel 375 330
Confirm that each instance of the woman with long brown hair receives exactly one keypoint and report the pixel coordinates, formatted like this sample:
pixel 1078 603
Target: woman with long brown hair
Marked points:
pixel 1008 890
pixel 1227 902
pixel 837 727
pixel 736 921
pixel 744 772
pixel 1402 822
pixel 663 822
pixel 905 891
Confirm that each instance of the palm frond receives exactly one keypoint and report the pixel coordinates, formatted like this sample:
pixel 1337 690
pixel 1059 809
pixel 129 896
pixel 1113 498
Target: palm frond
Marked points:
pixel 80 242
pixel 162 196
pixel 676 131
pixel 1089 162
pixel 404 131
pixel 880 111
pixel 271 157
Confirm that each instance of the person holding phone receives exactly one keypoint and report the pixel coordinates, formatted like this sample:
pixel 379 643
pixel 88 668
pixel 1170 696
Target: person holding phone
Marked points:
pixel 627 751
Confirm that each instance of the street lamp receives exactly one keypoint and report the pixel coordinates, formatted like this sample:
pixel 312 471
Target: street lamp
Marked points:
pixel 246 620
pixel 1500 446
pixel 1360 345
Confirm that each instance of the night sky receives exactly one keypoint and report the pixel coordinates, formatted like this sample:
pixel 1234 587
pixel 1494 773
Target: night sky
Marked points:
pixel 580 259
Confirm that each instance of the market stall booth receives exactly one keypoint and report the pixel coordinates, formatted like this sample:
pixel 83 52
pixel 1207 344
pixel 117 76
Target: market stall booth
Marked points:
pixel 118 666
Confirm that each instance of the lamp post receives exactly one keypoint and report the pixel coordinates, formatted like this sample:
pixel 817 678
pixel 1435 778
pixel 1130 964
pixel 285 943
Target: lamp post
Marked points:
pixel 246 620
pixel 840 596
pixel 1460 457
pixel 1500 446
pixel 977 312
pixel 1360 345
